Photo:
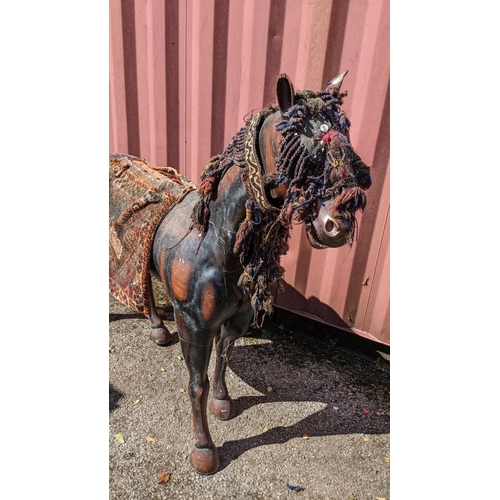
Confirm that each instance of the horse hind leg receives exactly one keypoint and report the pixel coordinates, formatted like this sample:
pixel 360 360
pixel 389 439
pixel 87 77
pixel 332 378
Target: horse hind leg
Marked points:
pixel 221 405
pixel 159 332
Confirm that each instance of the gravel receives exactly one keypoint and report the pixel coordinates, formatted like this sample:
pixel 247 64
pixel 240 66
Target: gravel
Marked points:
pixel 312 412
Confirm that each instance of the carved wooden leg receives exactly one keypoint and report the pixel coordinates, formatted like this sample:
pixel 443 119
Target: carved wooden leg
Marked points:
pixel 159 332
pixel 204 456
pixel 221 404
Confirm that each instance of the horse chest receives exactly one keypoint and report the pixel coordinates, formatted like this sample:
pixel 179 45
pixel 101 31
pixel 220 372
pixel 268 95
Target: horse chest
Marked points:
pixel 201 283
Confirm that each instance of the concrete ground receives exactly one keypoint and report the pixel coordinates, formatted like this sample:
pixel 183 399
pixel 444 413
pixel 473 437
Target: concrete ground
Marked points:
pixel 312 412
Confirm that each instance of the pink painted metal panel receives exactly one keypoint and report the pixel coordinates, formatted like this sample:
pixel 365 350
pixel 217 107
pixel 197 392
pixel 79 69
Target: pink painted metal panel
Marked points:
pixel 156 82
pixel 185 73
pixel 118 117
pixel 199 83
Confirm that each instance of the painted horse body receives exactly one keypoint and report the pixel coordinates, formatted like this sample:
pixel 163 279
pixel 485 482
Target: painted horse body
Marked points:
pixel 217 251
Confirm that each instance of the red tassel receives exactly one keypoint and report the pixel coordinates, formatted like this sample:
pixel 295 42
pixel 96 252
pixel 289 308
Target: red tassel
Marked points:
pixel 206 186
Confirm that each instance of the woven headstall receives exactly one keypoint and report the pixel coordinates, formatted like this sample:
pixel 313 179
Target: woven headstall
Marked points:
pixel 255 185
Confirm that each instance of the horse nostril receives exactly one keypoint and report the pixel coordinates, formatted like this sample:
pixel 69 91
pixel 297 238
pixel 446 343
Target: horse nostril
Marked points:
pixel 329 225
pixel 331 229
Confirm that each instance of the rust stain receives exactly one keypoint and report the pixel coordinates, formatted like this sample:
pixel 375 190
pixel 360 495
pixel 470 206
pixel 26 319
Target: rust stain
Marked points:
pixel 208 302
pixel 180 275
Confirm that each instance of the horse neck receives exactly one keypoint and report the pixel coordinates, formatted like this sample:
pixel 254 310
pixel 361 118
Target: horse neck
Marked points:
pixel 227 211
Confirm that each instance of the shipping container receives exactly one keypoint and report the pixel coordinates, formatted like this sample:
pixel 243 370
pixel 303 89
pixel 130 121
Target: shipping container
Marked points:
pixel 184 74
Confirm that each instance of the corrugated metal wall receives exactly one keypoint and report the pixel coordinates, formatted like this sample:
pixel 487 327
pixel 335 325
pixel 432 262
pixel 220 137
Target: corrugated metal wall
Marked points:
pixel 185 73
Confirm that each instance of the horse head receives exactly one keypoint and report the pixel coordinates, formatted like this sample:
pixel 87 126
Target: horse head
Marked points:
pixel 315 177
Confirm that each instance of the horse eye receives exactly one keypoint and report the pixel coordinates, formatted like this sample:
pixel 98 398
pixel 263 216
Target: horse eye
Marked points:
pixel 324 127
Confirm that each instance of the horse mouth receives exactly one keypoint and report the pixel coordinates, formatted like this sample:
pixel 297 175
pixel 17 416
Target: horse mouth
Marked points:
pixel 313 238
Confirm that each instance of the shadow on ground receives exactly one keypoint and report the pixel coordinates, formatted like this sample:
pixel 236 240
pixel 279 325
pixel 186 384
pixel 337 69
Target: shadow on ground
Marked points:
pixel 351 387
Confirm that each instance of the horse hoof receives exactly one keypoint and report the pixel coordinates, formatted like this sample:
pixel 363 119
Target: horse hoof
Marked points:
pixel 160 336
pixel 205 460
pixel 224 409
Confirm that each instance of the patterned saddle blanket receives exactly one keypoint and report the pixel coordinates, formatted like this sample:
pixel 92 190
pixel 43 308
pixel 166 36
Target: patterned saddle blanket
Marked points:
pixel 140 196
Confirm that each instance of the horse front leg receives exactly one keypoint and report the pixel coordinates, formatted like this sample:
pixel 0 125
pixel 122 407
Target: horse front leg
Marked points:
pixel 221 405
pixel 204 456
pixel 159 332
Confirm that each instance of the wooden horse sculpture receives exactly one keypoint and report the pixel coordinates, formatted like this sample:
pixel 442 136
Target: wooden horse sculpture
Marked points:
pixel 217 250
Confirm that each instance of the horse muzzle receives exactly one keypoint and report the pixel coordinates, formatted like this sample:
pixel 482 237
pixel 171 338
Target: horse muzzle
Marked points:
pixel 327 230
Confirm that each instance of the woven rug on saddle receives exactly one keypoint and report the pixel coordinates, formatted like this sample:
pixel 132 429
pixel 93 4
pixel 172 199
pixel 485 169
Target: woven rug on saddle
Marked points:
pixel 140 196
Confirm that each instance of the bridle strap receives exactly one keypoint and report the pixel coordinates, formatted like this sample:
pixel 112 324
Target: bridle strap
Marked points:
pixel 255 184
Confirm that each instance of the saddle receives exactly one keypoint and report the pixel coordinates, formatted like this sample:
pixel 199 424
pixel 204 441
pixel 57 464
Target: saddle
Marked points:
pixel 140 196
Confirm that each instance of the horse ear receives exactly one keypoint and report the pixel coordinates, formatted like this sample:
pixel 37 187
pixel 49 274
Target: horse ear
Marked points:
pixel 335 84
pixel 285 92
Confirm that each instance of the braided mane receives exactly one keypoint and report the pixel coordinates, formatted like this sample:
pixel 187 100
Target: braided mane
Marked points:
pixel 263 236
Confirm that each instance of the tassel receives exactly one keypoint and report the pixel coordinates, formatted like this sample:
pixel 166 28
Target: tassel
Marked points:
pixel 200 215
pixel 244 236
pixel 246 280
pixel 364 178
pixel 197 212
pixel 261 302
pixel 349 201
pixel 363 172
pixel 207 186
pixel 249 206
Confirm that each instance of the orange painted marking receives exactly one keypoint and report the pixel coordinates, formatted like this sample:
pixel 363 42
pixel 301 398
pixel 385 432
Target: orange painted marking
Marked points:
pixel 208 302
pixel 162 257
pixel 180 275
